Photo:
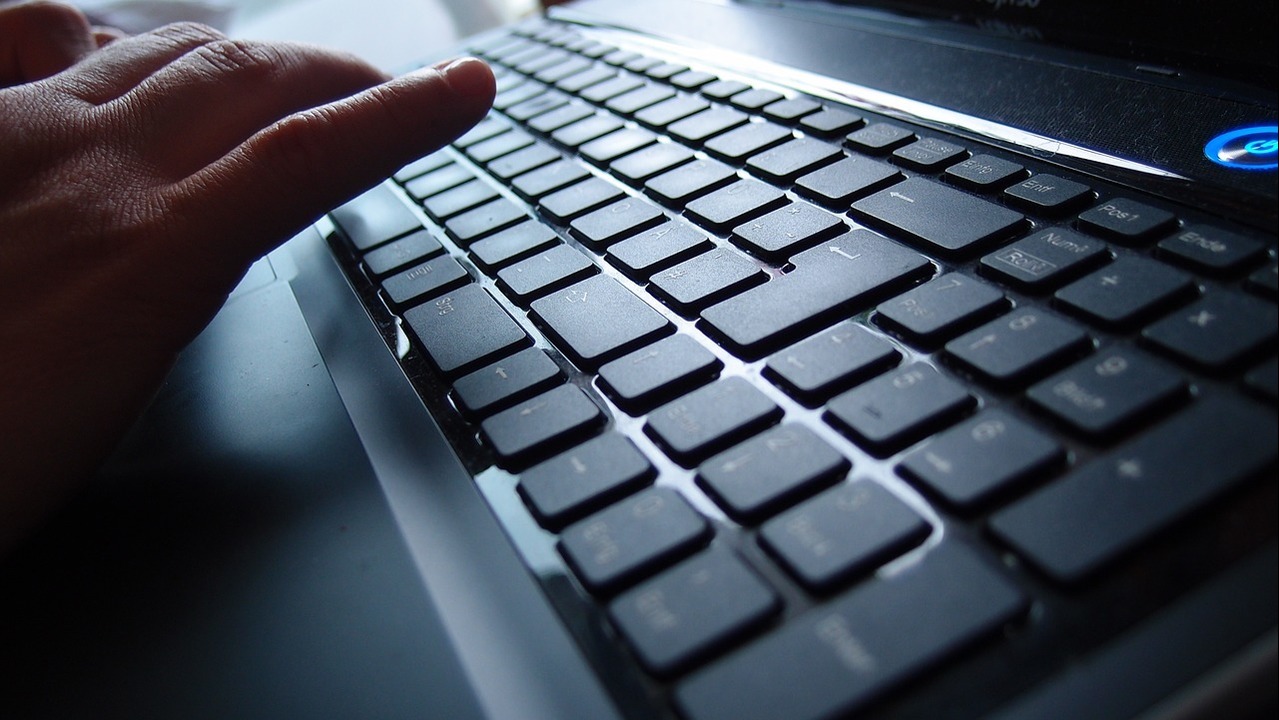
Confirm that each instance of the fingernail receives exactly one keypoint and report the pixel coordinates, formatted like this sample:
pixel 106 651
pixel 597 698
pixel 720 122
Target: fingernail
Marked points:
pixel 469 77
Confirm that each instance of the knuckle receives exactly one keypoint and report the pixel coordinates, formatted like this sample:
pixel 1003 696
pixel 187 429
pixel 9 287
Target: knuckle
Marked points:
pixel 237 58
pixel 298 147
pixel 49 15
pixel 186 34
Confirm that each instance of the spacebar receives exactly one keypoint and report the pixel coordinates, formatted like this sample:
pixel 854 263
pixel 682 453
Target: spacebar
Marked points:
pixel 1075 526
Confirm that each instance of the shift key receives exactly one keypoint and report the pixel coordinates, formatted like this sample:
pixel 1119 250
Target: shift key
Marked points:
pixel 855 266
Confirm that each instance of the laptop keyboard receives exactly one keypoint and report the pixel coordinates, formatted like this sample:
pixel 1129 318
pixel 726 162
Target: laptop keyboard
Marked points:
pixel 811 403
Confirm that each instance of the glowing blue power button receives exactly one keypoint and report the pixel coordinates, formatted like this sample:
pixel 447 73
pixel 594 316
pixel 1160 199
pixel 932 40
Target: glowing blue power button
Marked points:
pixel 1254 148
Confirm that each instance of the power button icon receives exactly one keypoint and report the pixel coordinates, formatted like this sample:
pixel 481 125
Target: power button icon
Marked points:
pixel 1254 148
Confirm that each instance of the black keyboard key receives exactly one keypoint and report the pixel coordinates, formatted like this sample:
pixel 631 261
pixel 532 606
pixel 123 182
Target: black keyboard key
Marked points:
pixel 734 204
pixel 649 162
pixel 1126 221
pixel 770 471
pixel 493 148
pixel 755 98
pixel 791 110
pixel 1265 281
pixel 393 256
pixel 485 129
pixel 484 220
pixel 437 181
pixel 984 173
pixel 830 122
pixel 1019 346
pixel 516 243
pixel 1108 394
pixel 879 138
pixel 639 98
pixel 522 161
pixel 839 184
pixel 584 131
pixel 1083 522
pixel 1047 259
pixel 1211 250
pixel 892 411
pixel 543 103
pixel 653 250
pixel 677 108
pixel 665 71
pixel 942 307
pixel 653 374
pixel 705 279
pixel 604 150
pixel 598 320
pixel 566 204
pixel 422 166
pixel 545 272
pixel 859 646
pixel 724 89
pixel 425 280
pixel 375 217
pixel 1048 194
pixel 549 178
pixel 642 64
pixel 460 199
pixel 506 382
pixel 843 533
pixel 582 80
pixel 929 154
pixel 556 119
pixel 800 156
pixel 787 230
pixel 692 79
pixel 986 456
pixel 940 218
pixel 696 129
pixel 690 611
pixel 611 223
pixel 464 329
pixel 689 181
pixel 633 538
pixel 826 280
pixel 1264 379
pixel 601 92
pixel 540 424
pixel 584 479
pixel 710 419
pixel 833 360
pixel 737 145
pixel 1126 292
pixel 1218 332
pixel 555 73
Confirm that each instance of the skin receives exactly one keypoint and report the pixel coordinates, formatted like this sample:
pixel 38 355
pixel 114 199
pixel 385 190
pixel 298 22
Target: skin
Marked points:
pixel 139 178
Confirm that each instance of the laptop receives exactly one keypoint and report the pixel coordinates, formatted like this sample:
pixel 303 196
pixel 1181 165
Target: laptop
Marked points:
pixel 750 360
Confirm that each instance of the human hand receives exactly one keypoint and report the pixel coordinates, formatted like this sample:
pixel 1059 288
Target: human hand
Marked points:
pixel 138 181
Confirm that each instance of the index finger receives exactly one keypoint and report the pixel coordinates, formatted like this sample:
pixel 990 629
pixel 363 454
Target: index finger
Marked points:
pixel 290 173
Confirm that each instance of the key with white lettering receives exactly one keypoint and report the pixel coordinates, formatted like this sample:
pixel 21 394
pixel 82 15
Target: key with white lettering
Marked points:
pixel 1046 259
pixel 845 532
pixel 771 470
pixel 692 610
pixel 464 329
pixel 1019 346
pixel 584 479
pixel 1109 393
pixel 597 320
pixel 829 278
pixel 633 538
pixel 990 453
pixel 835 359
pixel 1078 525
pixel 553 419
pixel 858 647
pixel 938 217
pixel 893 411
